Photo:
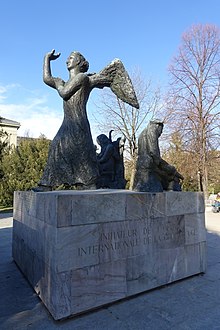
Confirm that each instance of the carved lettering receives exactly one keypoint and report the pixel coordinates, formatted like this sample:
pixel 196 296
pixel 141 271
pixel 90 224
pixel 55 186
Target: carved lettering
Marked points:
pixel 117 235
pixel 101 248
pixel 191 232
pixel 127 241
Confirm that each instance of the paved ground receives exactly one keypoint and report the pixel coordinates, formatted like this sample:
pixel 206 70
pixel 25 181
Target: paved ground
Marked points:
pixel 193 303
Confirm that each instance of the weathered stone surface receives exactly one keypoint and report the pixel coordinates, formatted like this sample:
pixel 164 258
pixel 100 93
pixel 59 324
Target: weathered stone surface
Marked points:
pixel 87 208
pixel 195 231
pixel 145 205
pixel 184 203
pixel 84 249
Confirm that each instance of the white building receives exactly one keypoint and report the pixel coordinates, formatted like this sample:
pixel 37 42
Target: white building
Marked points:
pixel 10 127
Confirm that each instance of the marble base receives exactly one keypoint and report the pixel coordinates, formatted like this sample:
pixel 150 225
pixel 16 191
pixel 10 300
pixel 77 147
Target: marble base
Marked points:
pixel 83 249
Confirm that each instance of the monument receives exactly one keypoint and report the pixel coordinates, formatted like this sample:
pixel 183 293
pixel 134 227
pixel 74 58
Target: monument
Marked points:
pixel 72 159
pixel 83 249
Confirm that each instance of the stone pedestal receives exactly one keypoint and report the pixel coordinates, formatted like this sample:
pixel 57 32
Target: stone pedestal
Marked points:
pixel 84 249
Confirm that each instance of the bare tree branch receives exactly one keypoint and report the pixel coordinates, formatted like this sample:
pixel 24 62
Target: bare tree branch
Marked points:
pixel 193 102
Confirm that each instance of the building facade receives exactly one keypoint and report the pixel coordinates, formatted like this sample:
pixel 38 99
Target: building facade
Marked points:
pixel 10 127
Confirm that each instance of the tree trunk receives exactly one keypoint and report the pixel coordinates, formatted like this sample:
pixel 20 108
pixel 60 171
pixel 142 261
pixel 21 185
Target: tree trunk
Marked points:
pixel 205 183
pixel 133 169
pixel 199 177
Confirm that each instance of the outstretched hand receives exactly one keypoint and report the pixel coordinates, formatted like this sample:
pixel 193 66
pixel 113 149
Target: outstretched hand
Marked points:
pixel 52 56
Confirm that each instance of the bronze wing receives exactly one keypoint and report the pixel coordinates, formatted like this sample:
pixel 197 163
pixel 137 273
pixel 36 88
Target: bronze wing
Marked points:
pixel 116 77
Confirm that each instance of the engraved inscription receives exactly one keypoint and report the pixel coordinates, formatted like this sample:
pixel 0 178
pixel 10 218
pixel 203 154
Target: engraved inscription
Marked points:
pixel 133 241
pixel 191 232
pixel 108 246
pixel 114 235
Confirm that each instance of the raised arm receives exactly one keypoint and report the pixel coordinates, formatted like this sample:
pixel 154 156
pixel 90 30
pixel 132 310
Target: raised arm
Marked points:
pixel 47 76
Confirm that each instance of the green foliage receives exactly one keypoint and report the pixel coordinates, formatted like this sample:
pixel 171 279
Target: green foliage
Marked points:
pixel 186 161
pixel 3 142
pixel 22 168
pixel 214 171
pixel 4 147
pixel 189 183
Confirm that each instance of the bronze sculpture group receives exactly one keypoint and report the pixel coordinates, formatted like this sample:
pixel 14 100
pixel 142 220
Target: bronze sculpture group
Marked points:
pixel 72 159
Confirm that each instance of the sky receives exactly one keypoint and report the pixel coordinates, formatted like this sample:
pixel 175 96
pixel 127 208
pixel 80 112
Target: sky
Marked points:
pixel 143 34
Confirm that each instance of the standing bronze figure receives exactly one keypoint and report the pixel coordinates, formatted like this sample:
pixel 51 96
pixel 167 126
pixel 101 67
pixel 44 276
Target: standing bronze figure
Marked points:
pixel 72 158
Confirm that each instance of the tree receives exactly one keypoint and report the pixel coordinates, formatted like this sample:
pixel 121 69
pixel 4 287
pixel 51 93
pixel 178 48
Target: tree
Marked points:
pixel 176 155
pixel 182 159
pixel 128 121
pixel 194 96
pixel 4 147
pixel 22 167
pixel 3 142
pixel 214 172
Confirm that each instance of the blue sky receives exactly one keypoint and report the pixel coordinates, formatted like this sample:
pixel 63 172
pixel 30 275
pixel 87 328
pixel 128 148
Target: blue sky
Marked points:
pixel 142 33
